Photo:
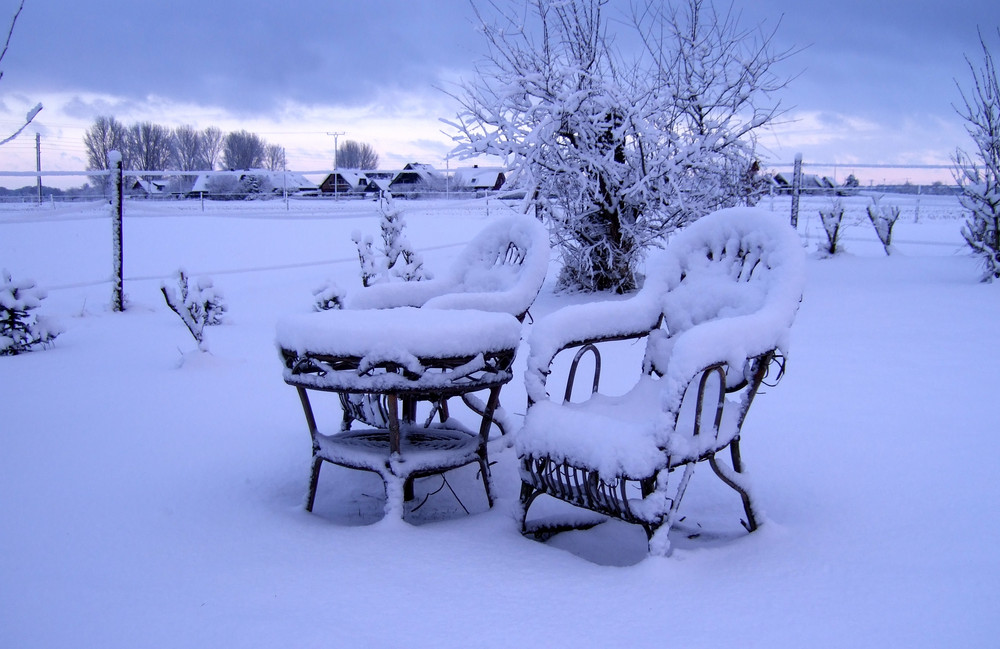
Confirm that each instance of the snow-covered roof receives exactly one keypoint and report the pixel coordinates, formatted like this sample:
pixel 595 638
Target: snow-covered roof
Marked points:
pixel 290 180
pixel 479 177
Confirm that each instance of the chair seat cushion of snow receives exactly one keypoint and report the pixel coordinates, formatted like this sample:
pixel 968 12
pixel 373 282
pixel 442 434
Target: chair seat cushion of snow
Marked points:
pixel 630 435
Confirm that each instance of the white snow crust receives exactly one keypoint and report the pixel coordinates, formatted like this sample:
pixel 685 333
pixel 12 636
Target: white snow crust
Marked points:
pixel 148 505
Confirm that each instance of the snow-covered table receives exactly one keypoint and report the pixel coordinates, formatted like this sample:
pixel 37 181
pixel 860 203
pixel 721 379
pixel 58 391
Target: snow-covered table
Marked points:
pixel 403 355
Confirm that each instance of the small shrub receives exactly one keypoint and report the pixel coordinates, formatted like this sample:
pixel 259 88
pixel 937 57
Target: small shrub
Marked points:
pixel 832 220
pixel 198 307
pixel 396 257
pixel 328 296
pixel 883 217
pixel 21 330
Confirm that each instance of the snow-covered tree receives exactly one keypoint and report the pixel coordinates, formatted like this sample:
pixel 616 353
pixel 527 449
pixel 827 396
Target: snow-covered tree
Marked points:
pixel 198 307
pixel 38 107
pixel 21 329
pixel 883 217
pixel 832 218
pixel 978 173
pixel 395 259
pixel 618 149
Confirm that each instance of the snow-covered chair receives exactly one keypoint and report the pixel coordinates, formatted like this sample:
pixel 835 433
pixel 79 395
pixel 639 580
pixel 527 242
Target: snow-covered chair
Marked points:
pixel 502 269
pixel 715 313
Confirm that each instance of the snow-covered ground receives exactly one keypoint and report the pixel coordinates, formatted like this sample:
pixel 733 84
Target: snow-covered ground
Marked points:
pixel 151 495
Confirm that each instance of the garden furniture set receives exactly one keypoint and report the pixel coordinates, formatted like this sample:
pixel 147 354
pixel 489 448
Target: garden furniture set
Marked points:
pixel 713 315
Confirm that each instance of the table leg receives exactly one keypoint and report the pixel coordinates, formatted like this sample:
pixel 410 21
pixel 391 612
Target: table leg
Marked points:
pixel 393 403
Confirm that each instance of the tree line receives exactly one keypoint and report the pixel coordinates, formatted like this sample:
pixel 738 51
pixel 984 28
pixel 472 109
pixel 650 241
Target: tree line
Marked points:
pixel 154 147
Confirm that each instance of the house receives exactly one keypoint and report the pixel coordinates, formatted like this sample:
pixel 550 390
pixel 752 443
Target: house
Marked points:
pixel 416 177
pixel 344 181
pixel 149 188
pixel 237 183
pixel 478 178
pixel 811 184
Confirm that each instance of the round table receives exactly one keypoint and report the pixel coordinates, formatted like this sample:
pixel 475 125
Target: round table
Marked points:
pixel 393 358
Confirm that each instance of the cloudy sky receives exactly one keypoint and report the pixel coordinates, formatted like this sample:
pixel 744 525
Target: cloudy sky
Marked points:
pixel 873 82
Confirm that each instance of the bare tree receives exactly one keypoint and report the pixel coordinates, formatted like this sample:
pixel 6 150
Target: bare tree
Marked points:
pixel 105 135
pixel 187 148
pixel 38 107
pixel 211 147
pixel 243 150
pixel 149 146
pixel 357 155
pixel 978 173
pixel 617 152
pixel 274 157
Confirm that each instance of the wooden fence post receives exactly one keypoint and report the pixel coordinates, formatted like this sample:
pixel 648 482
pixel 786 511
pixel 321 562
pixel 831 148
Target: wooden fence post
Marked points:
pixel 796 189
pixel 115 171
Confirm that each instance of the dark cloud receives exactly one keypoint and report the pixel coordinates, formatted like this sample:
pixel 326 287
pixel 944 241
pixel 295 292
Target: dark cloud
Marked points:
pixel 248 57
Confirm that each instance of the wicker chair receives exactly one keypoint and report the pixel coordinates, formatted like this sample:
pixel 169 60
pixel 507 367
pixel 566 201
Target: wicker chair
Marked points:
pixel 715 313
pixel 502 269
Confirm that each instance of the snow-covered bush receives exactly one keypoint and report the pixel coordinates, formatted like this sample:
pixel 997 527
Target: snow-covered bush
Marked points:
pixel 979 173
pixel 20 328
pixel 614 150
pixel 197 307
pixel 883 217
pixel 832 219
pixel 328 296
pixel 395 259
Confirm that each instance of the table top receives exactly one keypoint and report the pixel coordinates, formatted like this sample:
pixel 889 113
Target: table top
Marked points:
pixel 404 350
pixel 431 333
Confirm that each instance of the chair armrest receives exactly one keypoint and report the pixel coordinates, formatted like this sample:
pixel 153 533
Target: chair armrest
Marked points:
pixel 580 324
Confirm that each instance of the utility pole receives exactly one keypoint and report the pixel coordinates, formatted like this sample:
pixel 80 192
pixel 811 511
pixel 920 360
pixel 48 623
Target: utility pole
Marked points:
pixel 38 164
pixel 336 150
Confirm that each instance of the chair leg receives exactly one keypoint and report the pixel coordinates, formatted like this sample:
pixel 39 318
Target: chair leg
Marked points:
pixel 528 495
pixel 317 463
pixel 484 469
pixel 737 484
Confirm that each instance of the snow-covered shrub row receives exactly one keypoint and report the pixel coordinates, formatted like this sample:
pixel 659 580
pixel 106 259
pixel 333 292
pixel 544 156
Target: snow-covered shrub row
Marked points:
pixel 20 328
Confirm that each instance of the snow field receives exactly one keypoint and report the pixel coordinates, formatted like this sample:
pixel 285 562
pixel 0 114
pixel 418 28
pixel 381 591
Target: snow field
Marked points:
pixel 152 496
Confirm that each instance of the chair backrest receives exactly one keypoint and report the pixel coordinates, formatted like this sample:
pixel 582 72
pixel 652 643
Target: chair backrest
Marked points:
pixel 502 268
pixel 731 285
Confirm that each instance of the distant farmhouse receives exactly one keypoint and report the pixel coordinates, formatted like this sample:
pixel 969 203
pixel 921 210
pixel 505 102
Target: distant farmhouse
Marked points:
pixel 344 181
pixel 155 188
pixel 417 177
pixel 479 178
pixel 414 179
pixel 811 184
pixel 235 183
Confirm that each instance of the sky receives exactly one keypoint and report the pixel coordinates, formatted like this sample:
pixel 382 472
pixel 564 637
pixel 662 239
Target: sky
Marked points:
pixel 869 83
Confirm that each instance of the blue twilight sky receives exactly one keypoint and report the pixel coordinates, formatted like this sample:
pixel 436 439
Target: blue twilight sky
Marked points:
pixel 874 82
